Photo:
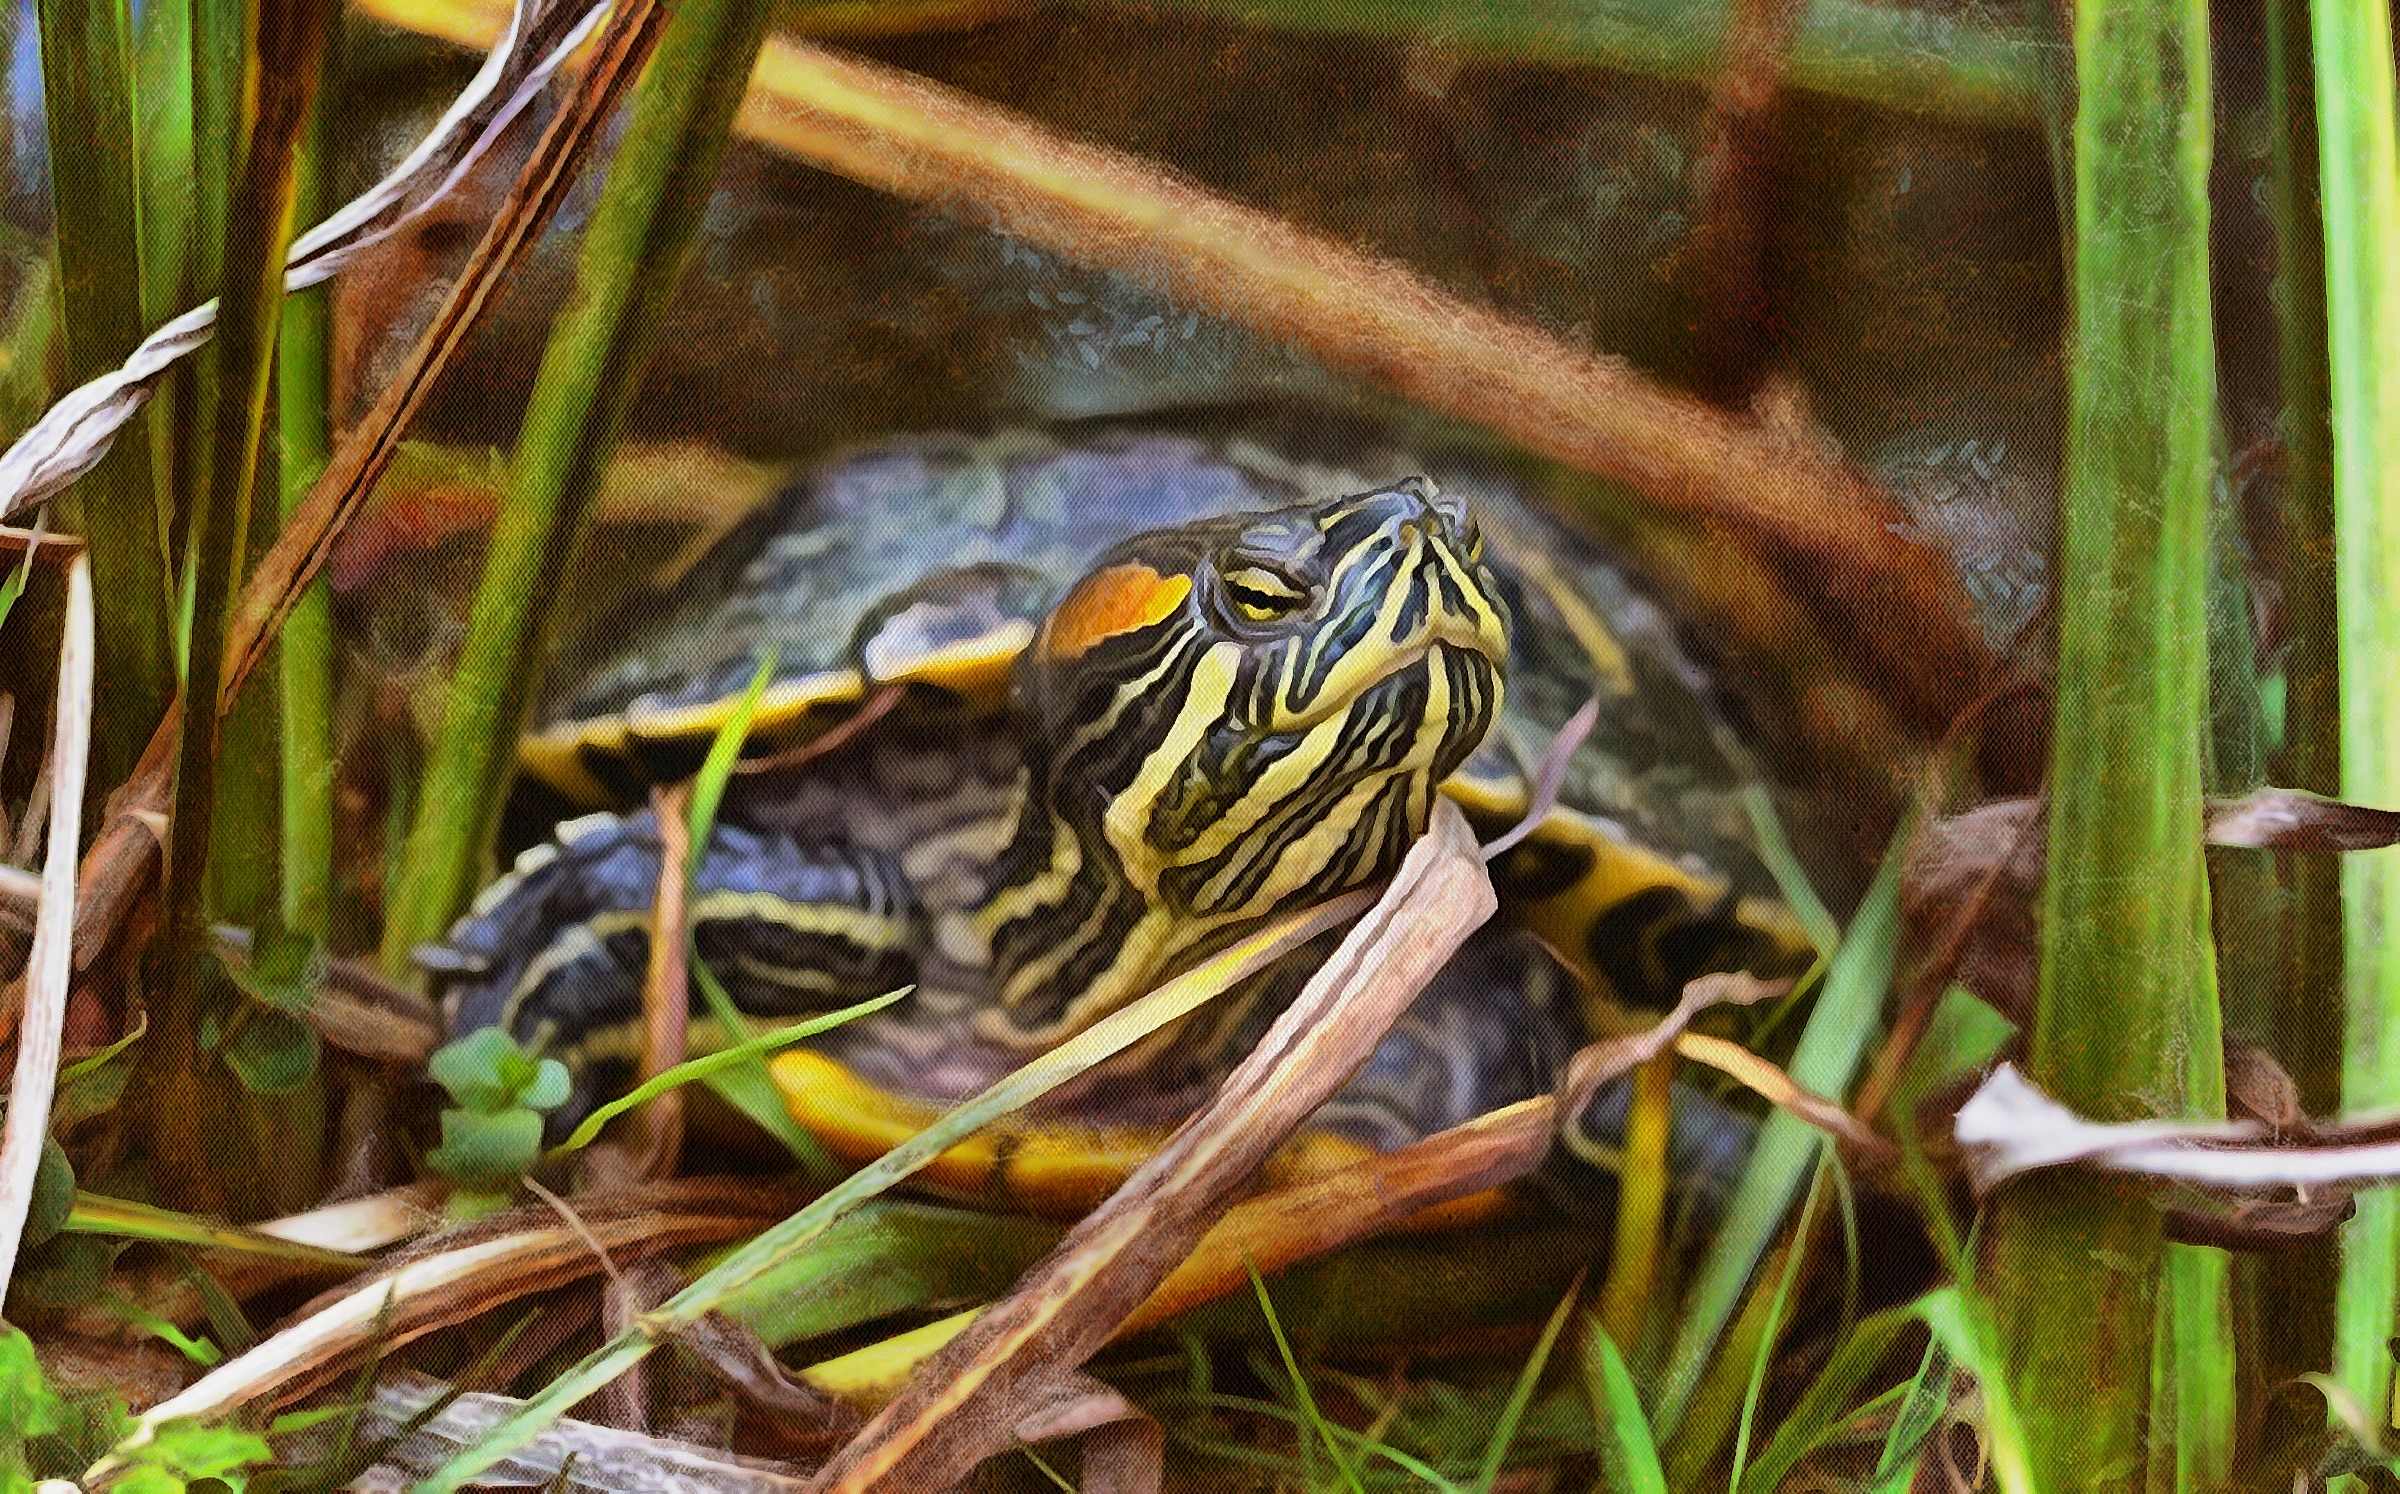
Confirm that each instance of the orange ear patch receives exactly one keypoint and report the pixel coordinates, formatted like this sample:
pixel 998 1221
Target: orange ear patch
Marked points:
pixel 1109 602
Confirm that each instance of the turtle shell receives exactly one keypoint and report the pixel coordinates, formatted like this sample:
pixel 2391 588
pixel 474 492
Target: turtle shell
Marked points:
pixel 929 559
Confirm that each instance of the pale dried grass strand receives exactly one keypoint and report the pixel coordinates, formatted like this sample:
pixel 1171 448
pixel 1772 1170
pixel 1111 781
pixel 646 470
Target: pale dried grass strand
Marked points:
pixel 48 970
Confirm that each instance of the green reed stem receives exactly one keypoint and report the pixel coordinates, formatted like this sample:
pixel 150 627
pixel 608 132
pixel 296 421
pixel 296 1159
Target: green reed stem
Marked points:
pixel 2125 1021
pixel 87 81
pixel 304 648
pixel 1960 66
pixel 282 78
pixel 634 252
pixel 2360 170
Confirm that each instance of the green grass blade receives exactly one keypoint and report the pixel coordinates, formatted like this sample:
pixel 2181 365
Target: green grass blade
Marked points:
pixel 724 750
pixel 2126 1018
pixel 1846 1017
pixel 1962 1324
pixel 304 647
pixel 163 101
pixel 1920 1416
pixel 746 1086
pixel 1628 1454
pixel 1415 1467
pixel 2359 168
pixel 1776 1310
pixel 634 252
pixel 1301 1395
pixel 709 1064
pixel 1783 864
pixel 1520 1395
pixel 94 1214
pixel 12 585
pixel 88 102
pixel 281 76
pixel 198 1350
pixel 1825 1405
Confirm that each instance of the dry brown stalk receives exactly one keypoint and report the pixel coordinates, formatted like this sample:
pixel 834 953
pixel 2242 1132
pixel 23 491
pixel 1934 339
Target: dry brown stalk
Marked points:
pixel 1385 323
pixel 51 549
pixel 1834 534
pixel 463 1276
pixel 47 972
pixel 654 1133
pixel 576 1454
pixel 1322 1215
pixel 974 1397
pixel 1736 187
pixel 308 535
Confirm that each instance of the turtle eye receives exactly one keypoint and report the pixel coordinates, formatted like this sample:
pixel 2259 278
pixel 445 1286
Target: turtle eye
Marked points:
pixel 1262 595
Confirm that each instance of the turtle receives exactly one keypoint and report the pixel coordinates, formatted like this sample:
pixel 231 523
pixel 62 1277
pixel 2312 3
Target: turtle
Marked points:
pixel 1048 714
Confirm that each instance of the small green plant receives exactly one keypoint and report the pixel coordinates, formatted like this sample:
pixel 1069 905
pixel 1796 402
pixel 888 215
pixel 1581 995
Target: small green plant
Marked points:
pixel 45 1434
pixel 492 1132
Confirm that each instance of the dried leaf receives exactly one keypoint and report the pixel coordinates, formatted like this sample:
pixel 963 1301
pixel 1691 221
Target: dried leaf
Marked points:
pixel 2009 1127
pixel 571 1455
pixel 2277 819
pixel 47 972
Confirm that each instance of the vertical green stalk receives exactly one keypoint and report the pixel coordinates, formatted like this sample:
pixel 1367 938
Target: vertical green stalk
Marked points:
pixel 2125 1021
pixel 163 117
pixel 281 79
pixel 304 648
pixel 2359 163
pixel 217 44
pixel 87 78
pixel 634 252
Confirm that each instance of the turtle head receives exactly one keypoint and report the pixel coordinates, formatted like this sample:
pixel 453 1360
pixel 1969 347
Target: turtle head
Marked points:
pixel 1234 716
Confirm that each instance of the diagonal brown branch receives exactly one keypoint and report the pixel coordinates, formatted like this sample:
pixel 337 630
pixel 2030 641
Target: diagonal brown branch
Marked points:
pixel 1386 323
pixel 1832 531
pixel 970 1401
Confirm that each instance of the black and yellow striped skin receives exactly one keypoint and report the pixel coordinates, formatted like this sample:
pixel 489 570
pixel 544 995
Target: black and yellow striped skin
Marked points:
pixel 1115 747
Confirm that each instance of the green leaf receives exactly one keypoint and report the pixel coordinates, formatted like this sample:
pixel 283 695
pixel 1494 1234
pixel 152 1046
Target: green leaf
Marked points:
pixel 469 1067
pixel 482 1148
pixel 53 1194
pixel 1628 1453
pixel 284 970
pixel 486 1071
pixel 272 1053
pixel 198 1350
pixel 183 1452
pixel 548 1088
pixel 28 1406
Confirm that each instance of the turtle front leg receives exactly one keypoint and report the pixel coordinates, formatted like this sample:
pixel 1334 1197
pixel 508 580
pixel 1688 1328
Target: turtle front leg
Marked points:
pixel 556 951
